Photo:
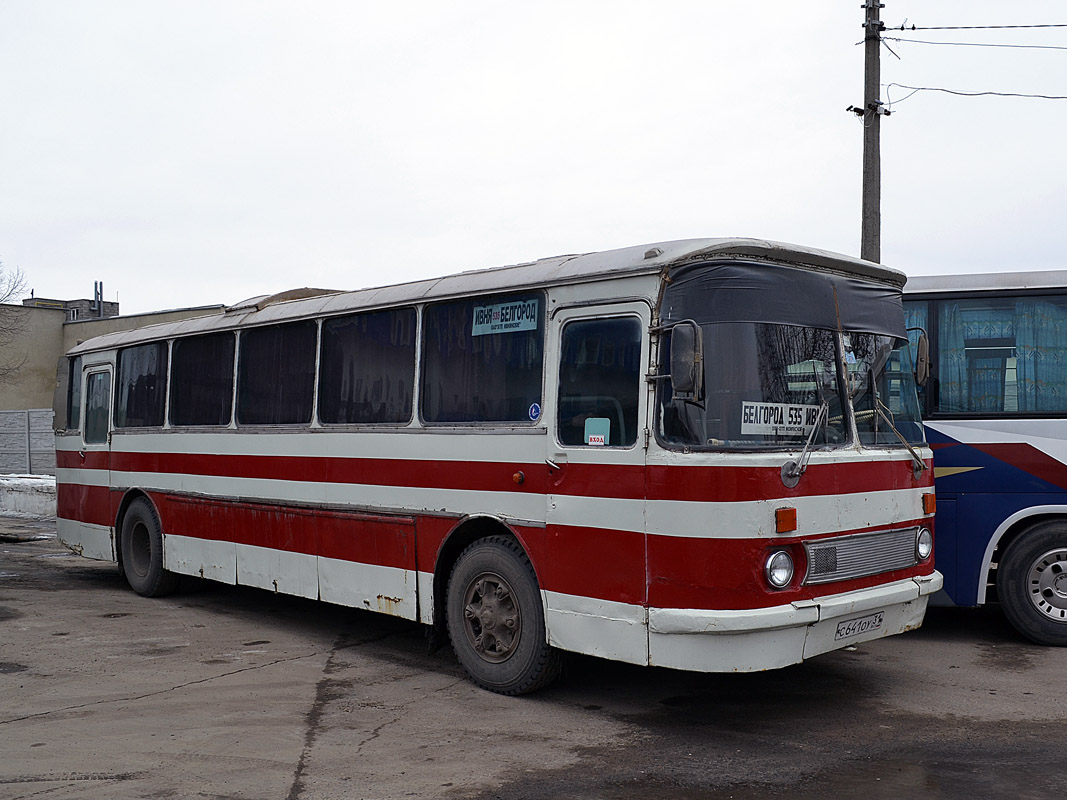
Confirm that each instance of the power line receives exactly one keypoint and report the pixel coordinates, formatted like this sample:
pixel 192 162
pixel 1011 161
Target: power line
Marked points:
pixel 976 44
pixel 915 89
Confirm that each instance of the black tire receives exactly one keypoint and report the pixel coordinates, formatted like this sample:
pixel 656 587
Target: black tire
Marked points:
pixel 1032 583
pixel 141 541
pixel 496 621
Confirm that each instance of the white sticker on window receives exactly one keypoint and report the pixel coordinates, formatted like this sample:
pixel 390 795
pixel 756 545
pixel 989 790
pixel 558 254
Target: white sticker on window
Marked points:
pixel 777 419
pixel 520 315
pixel 597 431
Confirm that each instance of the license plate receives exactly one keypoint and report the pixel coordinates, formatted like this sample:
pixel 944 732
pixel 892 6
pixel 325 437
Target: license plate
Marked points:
pixel 856 627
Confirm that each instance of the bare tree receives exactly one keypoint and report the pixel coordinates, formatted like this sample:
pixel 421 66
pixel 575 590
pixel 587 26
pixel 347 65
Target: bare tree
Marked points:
pixel 12 322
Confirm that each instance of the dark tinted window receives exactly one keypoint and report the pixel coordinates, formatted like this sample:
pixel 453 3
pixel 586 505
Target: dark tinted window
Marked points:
pixel 74 394
pixel 599 382
pixel 276 375
pixel 97 399
pixel 483 359
pixel 141 385
pixel 201 380
pixel 367 367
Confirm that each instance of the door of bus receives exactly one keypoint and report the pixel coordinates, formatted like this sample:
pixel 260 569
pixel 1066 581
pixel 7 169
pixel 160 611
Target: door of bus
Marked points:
pixel 97 537
pixel 596 579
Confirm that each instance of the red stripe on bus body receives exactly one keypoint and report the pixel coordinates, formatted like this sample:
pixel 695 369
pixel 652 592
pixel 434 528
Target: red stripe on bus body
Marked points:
pixel 682 483
pixel 387 541
pixel 84 459
pixel 81 503
pixel 601 563
pixel 734 484
pixel 1027 458
pixel 414 473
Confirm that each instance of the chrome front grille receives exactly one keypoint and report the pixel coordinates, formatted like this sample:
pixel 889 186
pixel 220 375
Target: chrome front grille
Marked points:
pixel 859 555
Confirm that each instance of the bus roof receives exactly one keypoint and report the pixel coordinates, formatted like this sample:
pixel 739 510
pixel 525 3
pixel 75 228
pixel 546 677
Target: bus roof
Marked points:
pixel 566 269
pixel 987 281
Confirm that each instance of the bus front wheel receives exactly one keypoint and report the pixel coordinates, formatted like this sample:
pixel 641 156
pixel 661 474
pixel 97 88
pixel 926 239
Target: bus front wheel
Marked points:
pixel 142 551
pixel 496 621
pixel 1033 583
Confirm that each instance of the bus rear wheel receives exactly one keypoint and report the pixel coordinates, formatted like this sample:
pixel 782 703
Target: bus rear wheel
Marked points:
pixel 496 621
pixel 1032 583
pixel 141 543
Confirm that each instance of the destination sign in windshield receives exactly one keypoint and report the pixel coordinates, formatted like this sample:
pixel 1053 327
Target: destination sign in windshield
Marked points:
pixel 777 419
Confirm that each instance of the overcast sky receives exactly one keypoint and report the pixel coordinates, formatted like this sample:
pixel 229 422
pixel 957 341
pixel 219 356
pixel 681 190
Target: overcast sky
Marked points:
pixel 191 153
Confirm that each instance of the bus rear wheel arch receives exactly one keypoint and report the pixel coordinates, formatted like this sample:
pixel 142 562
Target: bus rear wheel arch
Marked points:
pixel 496 620
pixel 1032 583
pixel 141 549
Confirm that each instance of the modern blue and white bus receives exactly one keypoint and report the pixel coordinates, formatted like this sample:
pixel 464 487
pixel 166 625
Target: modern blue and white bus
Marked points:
pixel 995 408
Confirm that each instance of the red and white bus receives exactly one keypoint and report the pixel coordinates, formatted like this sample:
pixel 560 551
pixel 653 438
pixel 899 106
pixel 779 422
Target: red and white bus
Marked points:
pixel 703 454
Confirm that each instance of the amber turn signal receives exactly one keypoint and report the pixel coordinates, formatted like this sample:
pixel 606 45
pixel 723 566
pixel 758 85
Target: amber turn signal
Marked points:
pixel 518 477
pixel 785 520
pixel 929 503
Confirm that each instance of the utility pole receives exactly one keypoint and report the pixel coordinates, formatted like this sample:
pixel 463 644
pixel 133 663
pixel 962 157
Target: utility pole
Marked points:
pixel 871 114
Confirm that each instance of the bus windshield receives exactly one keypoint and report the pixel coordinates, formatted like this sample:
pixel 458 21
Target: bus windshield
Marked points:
pixel 790 357
pixel 765 386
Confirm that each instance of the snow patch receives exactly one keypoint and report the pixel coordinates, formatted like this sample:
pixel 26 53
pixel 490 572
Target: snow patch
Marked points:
pixel 28 495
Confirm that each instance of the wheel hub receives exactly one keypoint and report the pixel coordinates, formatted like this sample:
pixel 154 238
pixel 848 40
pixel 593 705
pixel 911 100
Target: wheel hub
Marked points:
pixel 140 550
pixel 1047 584
pixel 492 620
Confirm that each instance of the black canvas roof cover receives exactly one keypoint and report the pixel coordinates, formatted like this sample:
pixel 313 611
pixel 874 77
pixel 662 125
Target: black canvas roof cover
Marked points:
pixel 748 291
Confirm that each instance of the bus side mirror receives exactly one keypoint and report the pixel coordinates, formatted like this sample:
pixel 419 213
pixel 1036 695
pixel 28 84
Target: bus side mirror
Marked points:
pixel 922 359
pixel 687 361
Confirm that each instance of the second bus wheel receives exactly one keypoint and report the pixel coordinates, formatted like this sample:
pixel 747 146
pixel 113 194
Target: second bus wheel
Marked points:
pixel 1032 583
pixel 141 543
pixel 496 621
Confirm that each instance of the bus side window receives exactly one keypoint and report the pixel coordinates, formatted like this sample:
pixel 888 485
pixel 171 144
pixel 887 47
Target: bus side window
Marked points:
pixel 276 374
pixel 140 388
pixel 97 400
pixel 201 386
pixel 482 359
pixel 599 382
pixel 74 394
pixel 367 368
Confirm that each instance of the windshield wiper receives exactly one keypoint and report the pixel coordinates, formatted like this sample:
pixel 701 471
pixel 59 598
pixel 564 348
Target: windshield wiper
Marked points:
pixel 881 409
pixel 792 470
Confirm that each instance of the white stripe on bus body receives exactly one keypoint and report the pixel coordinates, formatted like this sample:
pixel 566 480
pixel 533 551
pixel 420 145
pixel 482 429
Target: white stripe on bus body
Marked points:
pixel 82 477
pixel 405 444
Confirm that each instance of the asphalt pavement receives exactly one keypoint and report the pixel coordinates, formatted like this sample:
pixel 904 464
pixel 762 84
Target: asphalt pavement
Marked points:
pixel 229 692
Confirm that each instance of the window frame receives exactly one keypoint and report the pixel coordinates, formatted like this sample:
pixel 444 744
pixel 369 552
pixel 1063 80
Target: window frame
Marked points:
pixel 164 346
pixel 642 343
pixel 930 394
pixel 422 359
pixel 90 372
pixel 416 357
pixel 242 333
pixel 174 347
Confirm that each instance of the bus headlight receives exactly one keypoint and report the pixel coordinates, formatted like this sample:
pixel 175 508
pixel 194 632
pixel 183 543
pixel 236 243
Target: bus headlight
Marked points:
pixel 924 543
pixel 779 569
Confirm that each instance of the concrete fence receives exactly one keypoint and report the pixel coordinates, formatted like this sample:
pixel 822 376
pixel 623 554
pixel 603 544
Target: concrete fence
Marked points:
pixel 26 443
